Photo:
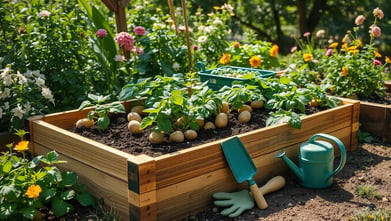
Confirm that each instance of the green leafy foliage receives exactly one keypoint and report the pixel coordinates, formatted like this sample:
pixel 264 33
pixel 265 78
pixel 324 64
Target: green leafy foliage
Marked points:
pixel 26 185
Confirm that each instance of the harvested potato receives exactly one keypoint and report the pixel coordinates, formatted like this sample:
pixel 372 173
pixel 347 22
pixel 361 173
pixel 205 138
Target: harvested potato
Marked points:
pixel 244 117
pixel 135 127
pixel 138 109
pixel 225 107
pixel 177 136
pixel 85 122
pixel 200 122
pixel 209 125
pixel 221 120
pixel 134 116
pixel 314 103
pixel 191 134
pixel 245 107
pixel 257 104
pixel 156 137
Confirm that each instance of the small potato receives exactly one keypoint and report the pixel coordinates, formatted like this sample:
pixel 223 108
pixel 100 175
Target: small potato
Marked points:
pixel 177 136
pixel 221 120
pixel 191 134
pixel 200 122
pixel 244 117
pixel 209 125
pixel 225 107
pixel 134 116
pixel 245 107
pixel 85 122
pixel 257 104
pixel 156 137
pixel 138 109
pixel 135 127
pixel 314 103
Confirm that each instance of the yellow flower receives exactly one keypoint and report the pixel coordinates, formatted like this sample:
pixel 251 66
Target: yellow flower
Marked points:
pixel 216 7
pixel 344 71
pixel 388 60
pixel 255 61
pixel 22 146
pixel 333 45
pixel 225 59
pixel 274 51
pixel 33 191
pixel 307 57
pixel 377 54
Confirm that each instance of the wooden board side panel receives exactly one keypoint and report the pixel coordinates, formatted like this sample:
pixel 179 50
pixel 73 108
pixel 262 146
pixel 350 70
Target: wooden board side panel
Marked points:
pixel 94 154
pixel 183 165
pixel 100 184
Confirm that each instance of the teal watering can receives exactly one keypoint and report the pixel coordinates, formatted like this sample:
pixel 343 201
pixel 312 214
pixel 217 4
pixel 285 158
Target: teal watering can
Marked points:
pixel 316 161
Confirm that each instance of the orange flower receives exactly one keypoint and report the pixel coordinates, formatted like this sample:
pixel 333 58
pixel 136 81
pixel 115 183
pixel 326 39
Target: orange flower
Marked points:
pixel 255 61
pixel 236 44
pixel 388 60
pixel 225 59
pixel 333 45
pixel 274 51
pixel 359 43
pixel 377 54
pixel 33 191
pixel 344 71
pixel 307 57
pixel 22 146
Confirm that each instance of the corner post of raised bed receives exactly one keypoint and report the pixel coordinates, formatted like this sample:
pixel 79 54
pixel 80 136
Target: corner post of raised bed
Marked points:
pixel 355 122
pixel 31 131
pixel 142 188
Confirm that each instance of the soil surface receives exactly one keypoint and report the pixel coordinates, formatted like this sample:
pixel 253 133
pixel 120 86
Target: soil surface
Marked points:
pixel 370 164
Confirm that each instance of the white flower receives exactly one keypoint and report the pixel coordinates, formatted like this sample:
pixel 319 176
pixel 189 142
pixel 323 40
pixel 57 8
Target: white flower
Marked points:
pixel 5 72
pixel 47 93
pixel 28 74
pixel 18 111
pixel 320 33
pixel 27 107
pixel 217 21
pixel 119 58
pixel 44 13
pixel 6 105
pixel 22 79
pixel 7 80
pixel 37 73
pixel 40 82
pixel 138 7
pixel 1 60
pixel 1 113
pixel 5 94
pixel 202 39
pixel 176 66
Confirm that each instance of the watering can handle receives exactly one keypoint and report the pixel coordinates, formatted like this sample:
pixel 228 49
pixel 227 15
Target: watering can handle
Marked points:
pixel 341 147
pixel 200 66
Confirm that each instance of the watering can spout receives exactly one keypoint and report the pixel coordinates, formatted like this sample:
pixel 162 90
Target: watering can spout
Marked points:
pixel 296 170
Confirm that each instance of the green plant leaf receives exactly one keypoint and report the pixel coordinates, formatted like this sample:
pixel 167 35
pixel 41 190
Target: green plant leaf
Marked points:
pixel 68 195
pixel 177 97
pixel 103 122
pixel 164 124
pixel 69 178
pixel 47 193
pixel 29 212
pixel 117 107
pixel 61 207
pixel 86 199
pixel 85 104
pixel 147 121
pixel 7 166
pixel 7 210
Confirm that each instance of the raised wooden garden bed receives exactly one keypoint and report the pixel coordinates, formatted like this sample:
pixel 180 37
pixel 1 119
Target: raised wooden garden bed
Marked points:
pixel 376 119
pixel 181 183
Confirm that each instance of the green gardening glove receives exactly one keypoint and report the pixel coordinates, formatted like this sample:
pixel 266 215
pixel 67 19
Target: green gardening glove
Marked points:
pixel 238 202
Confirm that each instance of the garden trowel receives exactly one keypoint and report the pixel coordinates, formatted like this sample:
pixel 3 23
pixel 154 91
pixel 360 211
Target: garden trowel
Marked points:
pixel 242 167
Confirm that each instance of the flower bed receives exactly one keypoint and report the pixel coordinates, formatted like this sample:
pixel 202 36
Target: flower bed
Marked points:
pixel 154 188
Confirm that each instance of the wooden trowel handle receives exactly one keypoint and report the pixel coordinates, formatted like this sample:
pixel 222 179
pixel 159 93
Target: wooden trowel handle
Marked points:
pixel 272 185
pixel 258 197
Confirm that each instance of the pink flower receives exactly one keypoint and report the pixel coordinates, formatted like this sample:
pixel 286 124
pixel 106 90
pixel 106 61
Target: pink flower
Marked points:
pixel 376 62
pixel 375 31
pixel 377 12
pixel 329 52
pixel 101 33
pixel 138 51
pixel 359 20
pixel 306 34
pixel 125 40
pixel 195 47
pixel 293 49
pixel 138 30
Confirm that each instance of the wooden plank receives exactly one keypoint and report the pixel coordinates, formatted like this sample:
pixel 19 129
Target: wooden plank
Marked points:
pixel 99 183
pixel 372 117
